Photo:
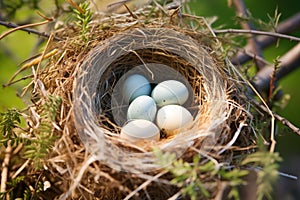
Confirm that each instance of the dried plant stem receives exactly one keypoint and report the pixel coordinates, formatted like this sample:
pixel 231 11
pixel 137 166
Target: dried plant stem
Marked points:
pixel 144 185
pixel 78 178
pixel 175 196
pixel 5 164
pixel 33 62
pixel 255 32
pixel 76 6
pixel 21 169
pixel 268 110
pixel 234 138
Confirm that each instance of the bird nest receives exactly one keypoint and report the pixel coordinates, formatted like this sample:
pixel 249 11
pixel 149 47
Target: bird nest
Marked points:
pixel 87 75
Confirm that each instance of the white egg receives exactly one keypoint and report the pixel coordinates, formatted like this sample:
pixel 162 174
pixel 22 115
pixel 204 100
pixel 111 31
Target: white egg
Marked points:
pixel 140 129
pixel 170 92
pixel 171 118
pixel 143 107
pixel 134 86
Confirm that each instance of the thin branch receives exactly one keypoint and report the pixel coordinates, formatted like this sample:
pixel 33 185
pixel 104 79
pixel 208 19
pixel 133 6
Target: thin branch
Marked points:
pixel 252 41
pixel 76 6
pixel 18 80
pixel 278 35
pixel 289 62
pixel 28 30
pixel 287 26
pixel 20 169
pixel 5 164
pixel 20 28
pixel 284 121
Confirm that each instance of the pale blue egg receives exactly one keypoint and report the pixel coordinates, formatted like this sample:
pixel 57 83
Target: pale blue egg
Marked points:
pixel 143 107
pixel 172 118
pixel 140 130
pixel 134 86
pixel 170 92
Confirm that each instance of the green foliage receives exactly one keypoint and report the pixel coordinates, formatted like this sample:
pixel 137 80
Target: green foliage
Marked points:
pixel 15 181
pixel 9 120
pixel 267 163
pixel 35 194
pixel 234 179
pixel 11 184
pixel 43 136
pixel 188 176
pixel 36 145
pixel 83 18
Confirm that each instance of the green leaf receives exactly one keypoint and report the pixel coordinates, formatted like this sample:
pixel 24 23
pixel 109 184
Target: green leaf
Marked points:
pixel 9 120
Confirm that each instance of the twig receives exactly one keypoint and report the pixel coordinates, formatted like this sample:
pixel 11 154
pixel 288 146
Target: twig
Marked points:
pixel 284 121
pixel 246 52
pixel 5 164
pixel 272 125
pixel 252 41
pixel 35 61
pixel 130 12
pixel 20 169
pixel 287 26
pixel 21 27
pixel 289 62
pixel 76 6
pixel 144 185
pixel 234 138
pixel 78 178
pixel 278 35
pixel 175 196
pixel 28 30
pixel 18 80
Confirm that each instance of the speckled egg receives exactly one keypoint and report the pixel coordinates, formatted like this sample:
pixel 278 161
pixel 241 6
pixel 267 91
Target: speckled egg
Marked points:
pixel 170 92
pixel 170 118
pixel 143 107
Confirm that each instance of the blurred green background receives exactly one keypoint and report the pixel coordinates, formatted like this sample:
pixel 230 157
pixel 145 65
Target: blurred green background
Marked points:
pixel 19 46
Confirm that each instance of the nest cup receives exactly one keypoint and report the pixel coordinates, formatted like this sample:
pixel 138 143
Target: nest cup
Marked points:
pixel 158 54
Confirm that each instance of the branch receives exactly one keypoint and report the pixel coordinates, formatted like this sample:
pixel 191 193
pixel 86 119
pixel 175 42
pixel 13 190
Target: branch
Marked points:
pixel 284 121
pixel 252 41
pixel 278 35
pixel 289 62
pixel 287 26
pixel 28 30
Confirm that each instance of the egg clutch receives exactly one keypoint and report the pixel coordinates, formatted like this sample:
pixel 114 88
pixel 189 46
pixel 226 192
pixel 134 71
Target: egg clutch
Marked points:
pixel 152 111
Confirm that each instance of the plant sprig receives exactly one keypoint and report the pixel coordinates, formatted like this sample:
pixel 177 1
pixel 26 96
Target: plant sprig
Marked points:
pixel 188 176
pixel 83 16
pixel 42 137
pixel 9 120
pixel 263 25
